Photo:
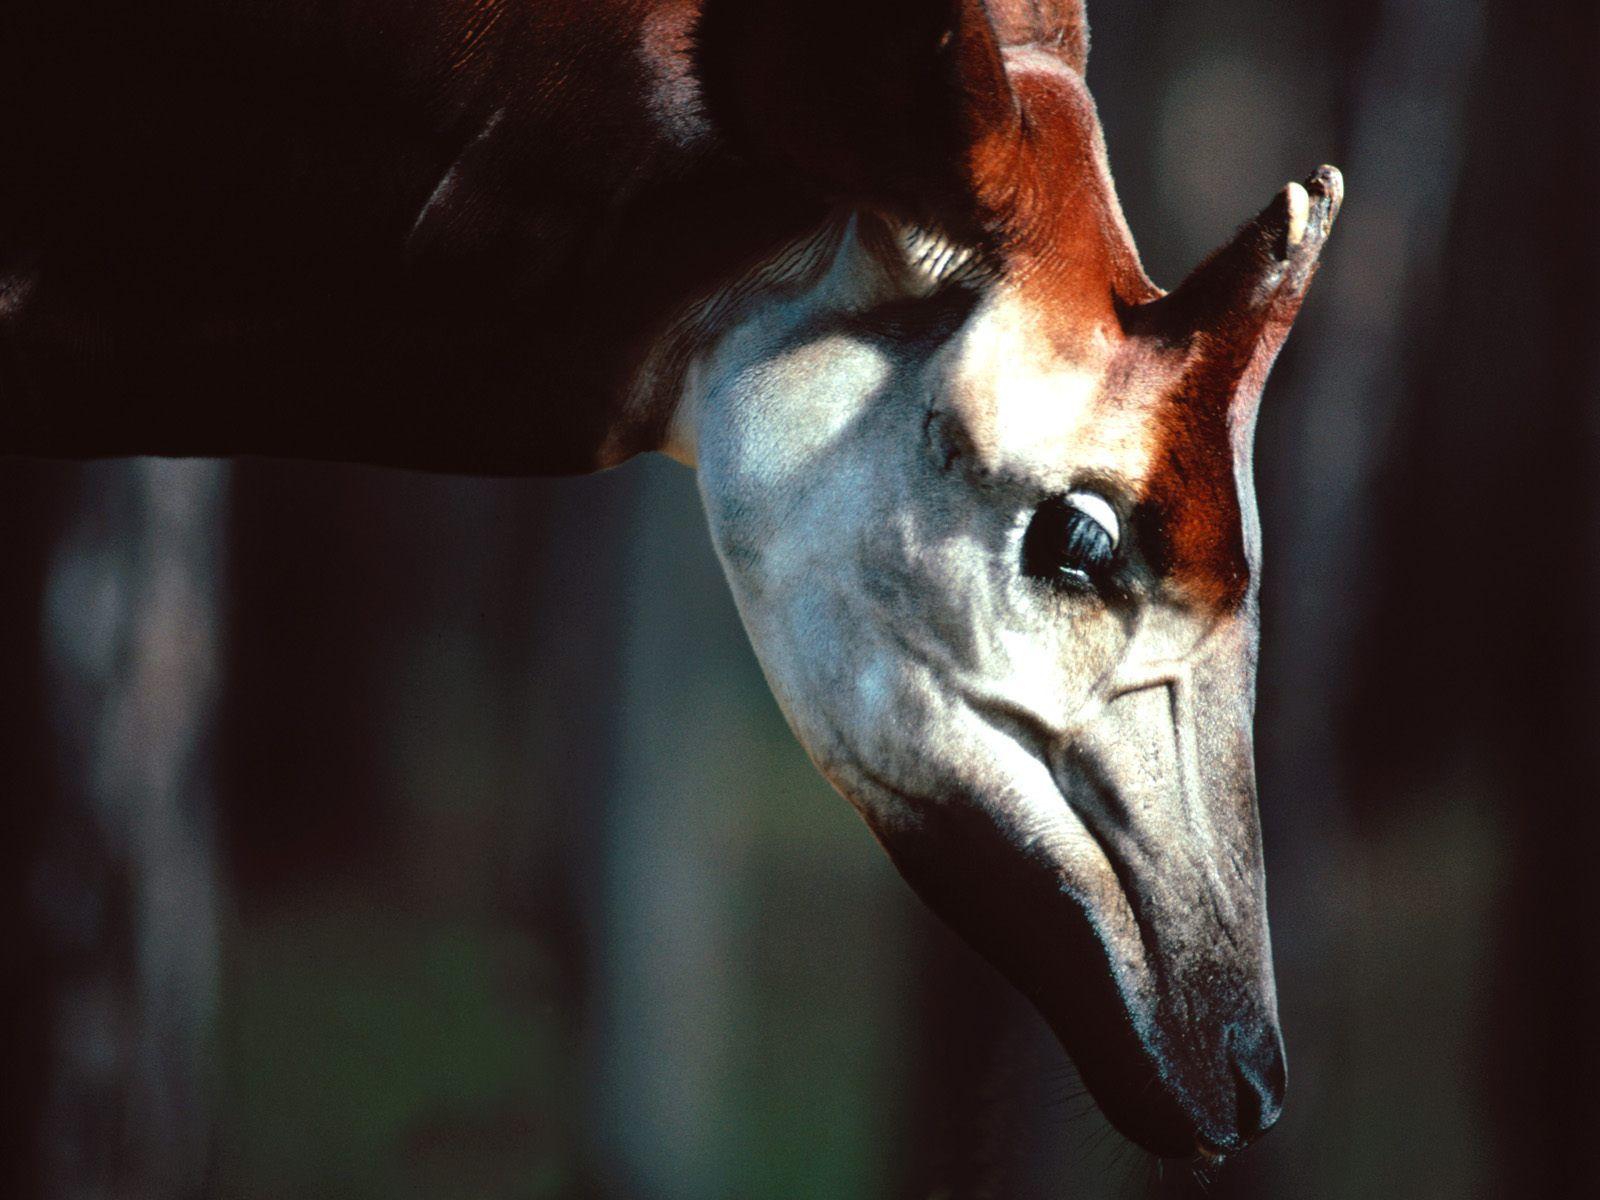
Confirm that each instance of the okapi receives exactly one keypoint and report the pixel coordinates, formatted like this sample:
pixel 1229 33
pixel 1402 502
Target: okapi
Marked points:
pixel 982 490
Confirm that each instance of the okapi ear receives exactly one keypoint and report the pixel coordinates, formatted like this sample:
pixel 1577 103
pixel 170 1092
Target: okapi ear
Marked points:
pixel 877 101
pixel 1059 26
pixel 1235 309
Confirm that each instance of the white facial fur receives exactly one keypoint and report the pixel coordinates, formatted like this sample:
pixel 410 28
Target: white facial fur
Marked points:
pixel 869 496
pixel 869 504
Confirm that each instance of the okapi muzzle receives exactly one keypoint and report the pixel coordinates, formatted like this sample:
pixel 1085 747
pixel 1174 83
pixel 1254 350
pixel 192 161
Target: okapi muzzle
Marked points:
pixel 984 495
pixel 1156 972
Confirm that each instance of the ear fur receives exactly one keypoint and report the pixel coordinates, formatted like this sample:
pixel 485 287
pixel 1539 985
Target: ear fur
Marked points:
pixel 862 101
pixel 1055 25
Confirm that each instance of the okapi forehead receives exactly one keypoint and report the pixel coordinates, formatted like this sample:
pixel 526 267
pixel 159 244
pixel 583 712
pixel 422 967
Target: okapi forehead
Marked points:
pixel 1016 409
pixel 1066 377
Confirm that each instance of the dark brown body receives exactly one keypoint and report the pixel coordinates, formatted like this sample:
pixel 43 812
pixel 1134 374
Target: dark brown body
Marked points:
pixel 436 234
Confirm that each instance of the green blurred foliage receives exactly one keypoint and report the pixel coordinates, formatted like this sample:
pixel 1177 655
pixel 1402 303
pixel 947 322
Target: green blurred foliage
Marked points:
pixel 374 1053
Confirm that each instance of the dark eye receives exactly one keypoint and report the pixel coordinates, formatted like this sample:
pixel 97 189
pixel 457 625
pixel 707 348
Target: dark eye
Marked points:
pixel 1072 540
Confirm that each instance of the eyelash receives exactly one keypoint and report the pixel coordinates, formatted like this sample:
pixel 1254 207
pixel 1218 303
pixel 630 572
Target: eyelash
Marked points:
pixel 1067 547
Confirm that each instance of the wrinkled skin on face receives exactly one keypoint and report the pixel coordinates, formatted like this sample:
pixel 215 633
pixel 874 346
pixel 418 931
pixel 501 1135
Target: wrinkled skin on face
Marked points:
pixel 1060 765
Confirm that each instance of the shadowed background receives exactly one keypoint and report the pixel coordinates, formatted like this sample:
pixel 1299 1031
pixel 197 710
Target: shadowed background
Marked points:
pixel 372 834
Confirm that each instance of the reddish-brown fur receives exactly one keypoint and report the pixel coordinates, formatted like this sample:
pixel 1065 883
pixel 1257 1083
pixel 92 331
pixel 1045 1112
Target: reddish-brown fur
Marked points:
pixel 445 233
pixel 1044 190
pixel 1018 164
pixel 1057 25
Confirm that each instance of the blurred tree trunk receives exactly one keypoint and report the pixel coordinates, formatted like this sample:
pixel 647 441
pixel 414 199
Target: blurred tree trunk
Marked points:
pixel 1476 693
pixel 121 891
pixel 1516 365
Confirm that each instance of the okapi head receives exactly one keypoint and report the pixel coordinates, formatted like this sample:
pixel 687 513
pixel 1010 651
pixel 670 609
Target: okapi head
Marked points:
pixel 984 496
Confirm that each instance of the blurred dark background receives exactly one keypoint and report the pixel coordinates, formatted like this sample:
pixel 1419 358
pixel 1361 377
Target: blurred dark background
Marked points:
pixel 372 834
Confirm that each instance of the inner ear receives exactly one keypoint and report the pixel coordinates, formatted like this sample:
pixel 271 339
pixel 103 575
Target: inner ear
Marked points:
pixel 877 102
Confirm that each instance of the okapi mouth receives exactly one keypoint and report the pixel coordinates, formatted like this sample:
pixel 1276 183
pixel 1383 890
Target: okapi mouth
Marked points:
pixel 1085 961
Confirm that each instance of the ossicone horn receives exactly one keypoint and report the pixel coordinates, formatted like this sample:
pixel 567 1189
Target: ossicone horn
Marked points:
pixel 1235 309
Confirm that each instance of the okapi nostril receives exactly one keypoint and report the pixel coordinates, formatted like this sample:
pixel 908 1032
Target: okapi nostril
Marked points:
pixel 1260 1076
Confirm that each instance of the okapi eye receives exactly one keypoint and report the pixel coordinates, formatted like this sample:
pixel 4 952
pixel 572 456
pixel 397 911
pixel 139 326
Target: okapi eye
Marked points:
pixel 1071 540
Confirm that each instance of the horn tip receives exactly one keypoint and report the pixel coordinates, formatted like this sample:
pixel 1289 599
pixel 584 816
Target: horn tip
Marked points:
pixel 1328 179
pixel 1306 212
pixel 1325 185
